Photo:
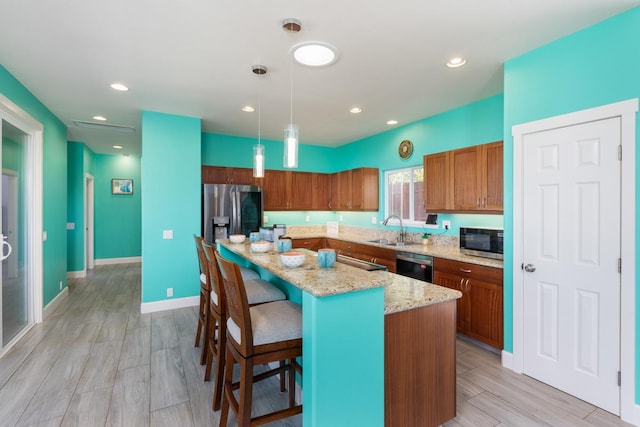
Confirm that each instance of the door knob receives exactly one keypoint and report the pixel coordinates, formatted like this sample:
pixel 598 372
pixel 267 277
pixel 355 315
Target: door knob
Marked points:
pixel 529 268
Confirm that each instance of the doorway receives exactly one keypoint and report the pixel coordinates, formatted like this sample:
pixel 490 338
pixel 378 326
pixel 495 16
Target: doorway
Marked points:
pixel 21 221
pixel 574 198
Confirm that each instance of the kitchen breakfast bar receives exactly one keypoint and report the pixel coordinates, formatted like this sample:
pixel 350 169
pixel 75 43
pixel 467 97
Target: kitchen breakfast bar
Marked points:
pixel 378 348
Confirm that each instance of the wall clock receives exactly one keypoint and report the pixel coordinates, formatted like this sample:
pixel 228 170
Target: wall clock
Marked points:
pixel 405 150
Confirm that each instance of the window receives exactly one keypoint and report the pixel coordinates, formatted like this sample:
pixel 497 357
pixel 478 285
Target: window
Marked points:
pixel 404 195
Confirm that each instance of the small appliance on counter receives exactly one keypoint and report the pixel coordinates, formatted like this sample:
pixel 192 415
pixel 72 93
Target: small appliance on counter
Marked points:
pixel 484 242
pixel 272 234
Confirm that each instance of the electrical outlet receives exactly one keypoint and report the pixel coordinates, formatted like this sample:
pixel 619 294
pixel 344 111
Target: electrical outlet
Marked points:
pixel 167 234
pixel 374 220
pixel 340 218
pixel 265 219
pixel 60 284
pixel 169 292
pixel 446 224
pixel 307 218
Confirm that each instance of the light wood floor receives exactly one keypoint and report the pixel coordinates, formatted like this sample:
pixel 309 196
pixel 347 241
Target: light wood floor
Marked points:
pixel 98 362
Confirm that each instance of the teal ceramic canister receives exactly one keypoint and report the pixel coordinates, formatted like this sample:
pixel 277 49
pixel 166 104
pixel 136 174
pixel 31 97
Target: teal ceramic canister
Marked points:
pixel 255 236
pixel 326 258
pixel 285 244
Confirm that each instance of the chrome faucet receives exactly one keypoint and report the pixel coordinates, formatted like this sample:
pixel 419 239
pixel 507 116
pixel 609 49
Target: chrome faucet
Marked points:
pixel 401 235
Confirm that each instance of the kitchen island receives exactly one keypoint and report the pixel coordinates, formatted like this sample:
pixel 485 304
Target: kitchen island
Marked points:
pixel 377 347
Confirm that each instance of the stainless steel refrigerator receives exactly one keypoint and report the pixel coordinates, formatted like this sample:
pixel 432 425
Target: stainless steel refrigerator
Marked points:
pixel 230 209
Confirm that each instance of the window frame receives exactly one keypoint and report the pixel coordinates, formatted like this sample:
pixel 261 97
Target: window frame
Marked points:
pixel 412 222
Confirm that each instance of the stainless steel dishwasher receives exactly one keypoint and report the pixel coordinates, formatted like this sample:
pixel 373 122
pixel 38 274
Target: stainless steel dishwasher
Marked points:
pixel 416 266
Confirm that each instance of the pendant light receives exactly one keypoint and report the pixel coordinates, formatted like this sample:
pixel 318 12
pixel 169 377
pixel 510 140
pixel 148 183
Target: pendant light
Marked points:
pixel 290 159
pixel 258 149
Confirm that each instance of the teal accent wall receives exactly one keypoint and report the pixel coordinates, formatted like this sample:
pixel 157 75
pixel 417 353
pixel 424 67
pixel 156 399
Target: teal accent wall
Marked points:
pixel 117 218
pixel 237 151
pixel 54 183
pixel 75 206
pixel 171 153
pixel 472 124
pixel 590 68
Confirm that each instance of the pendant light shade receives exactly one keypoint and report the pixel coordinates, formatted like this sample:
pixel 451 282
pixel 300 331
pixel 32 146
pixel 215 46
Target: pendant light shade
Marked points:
pixel 291 146
pixel 258 161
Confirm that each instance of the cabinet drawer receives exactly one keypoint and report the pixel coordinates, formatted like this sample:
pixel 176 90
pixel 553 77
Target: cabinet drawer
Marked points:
pixel 466 269
pixel 313 244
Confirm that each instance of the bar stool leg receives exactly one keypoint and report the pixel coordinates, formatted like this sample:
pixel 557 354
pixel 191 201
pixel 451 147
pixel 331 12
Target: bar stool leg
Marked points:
pixel 218 389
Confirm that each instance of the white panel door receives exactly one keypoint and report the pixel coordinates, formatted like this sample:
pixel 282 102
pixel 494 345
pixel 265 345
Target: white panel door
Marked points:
pixel 571 288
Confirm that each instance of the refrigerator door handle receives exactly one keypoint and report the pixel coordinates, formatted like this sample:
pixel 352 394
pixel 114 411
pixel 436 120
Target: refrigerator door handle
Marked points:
pixel 235 212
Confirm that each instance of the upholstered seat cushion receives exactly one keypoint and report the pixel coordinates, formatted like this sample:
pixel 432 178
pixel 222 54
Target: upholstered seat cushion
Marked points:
pixel 248 274
pixel 272 322
pixel 258 291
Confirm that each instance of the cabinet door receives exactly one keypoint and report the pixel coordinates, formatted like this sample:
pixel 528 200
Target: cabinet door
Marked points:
pixel 241 176
pixel 214 175
pixel 493 177
pixel 370 189
pixel 437 182
pixel 344 190
pixel 313 244
pixel 485 312
pixel 334 183
pixel 274 191
pixel 320 191
pixel 301 195
pixel 454 282
pixel 357 190
pixel 465 172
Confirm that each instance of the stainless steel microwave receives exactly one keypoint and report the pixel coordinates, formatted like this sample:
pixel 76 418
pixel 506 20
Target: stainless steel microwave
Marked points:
pixel 482 241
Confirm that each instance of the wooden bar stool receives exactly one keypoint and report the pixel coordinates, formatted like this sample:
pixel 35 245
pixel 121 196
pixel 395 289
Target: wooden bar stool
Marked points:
pixel 259 291
pixel 257 335
pixel 205 291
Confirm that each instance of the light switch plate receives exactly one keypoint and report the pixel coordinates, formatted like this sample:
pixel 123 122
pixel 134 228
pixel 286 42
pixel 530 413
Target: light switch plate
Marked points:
pixel 71 226
pixel 374 220
pixel 167 234
pixel 265 219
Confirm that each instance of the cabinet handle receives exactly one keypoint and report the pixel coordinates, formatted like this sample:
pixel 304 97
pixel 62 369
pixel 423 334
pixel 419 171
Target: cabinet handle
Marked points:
pixel 461 288
pixel 478 202
pixel 467 285
pixel 464 270
pixel 330 207
pixel 484 202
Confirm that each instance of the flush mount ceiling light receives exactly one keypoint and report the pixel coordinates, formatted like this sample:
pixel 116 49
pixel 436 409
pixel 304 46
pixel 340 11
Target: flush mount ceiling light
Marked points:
pixel 118 147
pixel 103 126
pixel 314 54
pixel 392 122
pixel 248 109
pixel 119 86
pixel 355 110
pixel 101 118
pixel 456 61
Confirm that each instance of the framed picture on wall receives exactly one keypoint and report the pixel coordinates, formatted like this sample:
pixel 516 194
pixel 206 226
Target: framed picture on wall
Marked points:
pixel 121 186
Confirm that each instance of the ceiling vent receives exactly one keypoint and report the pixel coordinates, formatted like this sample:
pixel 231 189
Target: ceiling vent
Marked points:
pixel 103 126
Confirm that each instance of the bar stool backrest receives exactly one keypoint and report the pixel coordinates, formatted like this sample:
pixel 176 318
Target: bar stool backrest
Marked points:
pixel 214 278
pixel 202 261
pixel 237 304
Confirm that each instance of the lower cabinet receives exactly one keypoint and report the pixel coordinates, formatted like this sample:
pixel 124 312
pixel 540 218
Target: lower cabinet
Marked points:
pixel 313 244
pixel 480 310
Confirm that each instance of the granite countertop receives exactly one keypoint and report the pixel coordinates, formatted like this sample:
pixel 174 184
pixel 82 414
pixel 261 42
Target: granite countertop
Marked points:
pixel 446 252
pixel 400 294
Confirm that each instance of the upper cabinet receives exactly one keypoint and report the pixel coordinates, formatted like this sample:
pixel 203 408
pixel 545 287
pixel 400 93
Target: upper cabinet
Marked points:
pixel 465 180
pixel 224 175
pixel 355 189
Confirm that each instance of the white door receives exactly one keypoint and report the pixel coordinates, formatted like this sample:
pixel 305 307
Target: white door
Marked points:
pixel 571 236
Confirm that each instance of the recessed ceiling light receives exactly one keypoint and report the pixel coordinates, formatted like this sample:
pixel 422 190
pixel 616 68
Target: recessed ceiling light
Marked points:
pixel 355 110
pixel 456 62
pixel 248 109
pixel 101 118
pixel 392 122
pixel 314 54
pixel 119 86
pixel 117 147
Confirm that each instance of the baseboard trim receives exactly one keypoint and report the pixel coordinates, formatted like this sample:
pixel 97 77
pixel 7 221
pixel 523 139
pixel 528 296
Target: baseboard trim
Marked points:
pixel 76 274
pixel 109 261
pixel 54 303
pixel 507 360
pixel 169 304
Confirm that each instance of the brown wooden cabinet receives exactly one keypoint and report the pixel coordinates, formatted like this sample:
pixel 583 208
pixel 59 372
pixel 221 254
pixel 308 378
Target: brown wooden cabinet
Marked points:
pixel 465 180
pixel 274 190
pixel 321 191
pixel 226 175
pixel 480 310
pixel 287 190
pixel 356 189
pixel 312 243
